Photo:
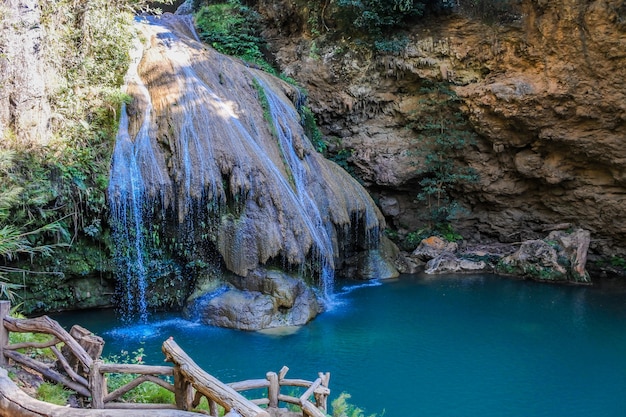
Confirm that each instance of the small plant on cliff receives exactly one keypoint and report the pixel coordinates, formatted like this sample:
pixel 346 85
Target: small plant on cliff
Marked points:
pixel 376 16
pixel 233 29
pixel 443 135
pixel 491 11
pixel 311 129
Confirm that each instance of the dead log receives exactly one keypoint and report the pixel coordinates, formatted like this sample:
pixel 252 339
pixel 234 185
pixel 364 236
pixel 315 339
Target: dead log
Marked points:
pixel 16 403
pixel 91 344
pixel 48 373
pixel 45 324
pixel 209 386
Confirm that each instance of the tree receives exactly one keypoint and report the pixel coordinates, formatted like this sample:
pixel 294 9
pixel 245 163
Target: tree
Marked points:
pixel 376 16
pixel 443 134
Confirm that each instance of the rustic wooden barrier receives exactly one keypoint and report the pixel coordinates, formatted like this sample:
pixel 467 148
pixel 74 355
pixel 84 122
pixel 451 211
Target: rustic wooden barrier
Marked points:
pixel 79 357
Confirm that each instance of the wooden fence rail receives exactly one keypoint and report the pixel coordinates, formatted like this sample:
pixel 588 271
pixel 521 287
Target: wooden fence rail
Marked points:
pixel 80 368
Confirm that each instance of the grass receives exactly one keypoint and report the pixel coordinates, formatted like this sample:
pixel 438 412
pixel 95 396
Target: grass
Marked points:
pixel 53 393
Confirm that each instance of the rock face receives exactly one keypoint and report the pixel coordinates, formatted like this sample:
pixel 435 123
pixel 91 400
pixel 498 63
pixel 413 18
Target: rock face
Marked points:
pixel 546 94
pixel 261 300
pixel 24 107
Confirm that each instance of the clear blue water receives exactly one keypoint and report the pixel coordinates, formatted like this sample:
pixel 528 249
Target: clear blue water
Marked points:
pixel 426 346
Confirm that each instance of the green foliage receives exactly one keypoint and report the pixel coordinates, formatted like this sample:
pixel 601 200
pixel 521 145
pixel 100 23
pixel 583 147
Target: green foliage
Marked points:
pixel 414 238
pixel 342 158
pixel 443 135
pixel 342 408
pixel 233 29
pixel 56 194
pixel 53 393
pixel 491 11
pixel 374 17
pixel 618 261
pixel 394 45
pixel 446 231
pixel 18 337
pixel 265 105
pixel 20 232
pixel 146 392
pixel 311 129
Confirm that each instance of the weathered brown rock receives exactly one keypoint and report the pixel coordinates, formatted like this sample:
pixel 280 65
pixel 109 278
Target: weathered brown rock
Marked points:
pixel 449 262
pixel 559 257
pixel 546 93
pixel 432 247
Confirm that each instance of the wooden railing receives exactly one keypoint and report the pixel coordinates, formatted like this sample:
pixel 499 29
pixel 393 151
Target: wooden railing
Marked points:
pixel 78 355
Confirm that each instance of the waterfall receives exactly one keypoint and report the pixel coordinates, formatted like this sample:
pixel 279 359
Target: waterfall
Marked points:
pixel 135 164
pixel 280 114
pixel 222 183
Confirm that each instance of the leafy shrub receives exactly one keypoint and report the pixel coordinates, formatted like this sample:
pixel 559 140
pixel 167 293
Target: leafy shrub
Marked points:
pixel 146 392
pixel 618 262
pixel 311 129
pixel 443 135
pixel 393 46
pixel 491 11
pixel 375 17
pixel 342 408
pixel 233 29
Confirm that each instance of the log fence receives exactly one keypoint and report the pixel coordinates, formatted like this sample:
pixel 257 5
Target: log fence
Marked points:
pixel 80 368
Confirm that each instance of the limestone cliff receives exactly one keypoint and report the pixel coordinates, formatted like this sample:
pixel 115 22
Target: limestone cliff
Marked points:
pixel 546 93
pixel 211 158
pixel 24 107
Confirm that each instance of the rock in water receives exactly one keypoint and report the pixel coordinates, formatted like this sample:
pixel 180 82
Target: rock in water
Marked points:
pixel 560 257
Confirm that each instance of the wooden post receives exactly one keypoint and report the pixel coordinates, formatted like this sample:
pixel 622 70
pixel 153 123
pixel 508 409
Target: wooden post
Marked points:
pixel 91 344
pixel 183 391
pixel 213 408
pixel 273 390
pixel 321 400
pixel 5 310
pixel 208 385
pixel 97 385
pixel 282 373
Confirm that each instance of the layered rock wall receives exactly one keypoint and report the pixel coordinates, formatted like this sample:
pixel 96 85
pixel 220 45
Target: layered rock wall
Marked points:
pixel 545 93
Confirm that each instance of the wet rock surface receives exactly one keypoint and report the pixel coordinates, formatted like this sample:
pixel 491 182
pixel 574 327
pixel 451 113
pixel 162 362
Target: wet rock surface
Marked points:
pixel 263 299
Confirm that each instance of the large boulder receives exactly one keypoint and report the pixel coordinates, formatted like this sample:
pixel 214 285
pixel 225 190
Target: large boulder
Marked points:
pixel 448 262
pixel 263 299
pixel 432 247
pixel 559 257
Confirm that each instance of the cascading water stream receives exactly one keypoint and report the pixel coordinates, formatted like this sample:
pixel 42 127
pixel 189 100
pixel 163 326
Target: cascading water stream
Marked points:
pixel 279 113
pixel 134 165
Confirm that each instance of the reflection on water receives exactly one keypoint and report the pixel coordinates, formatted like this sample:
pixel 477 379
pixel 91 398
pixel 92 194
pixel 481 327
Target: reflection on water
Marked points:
pixel 433 346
